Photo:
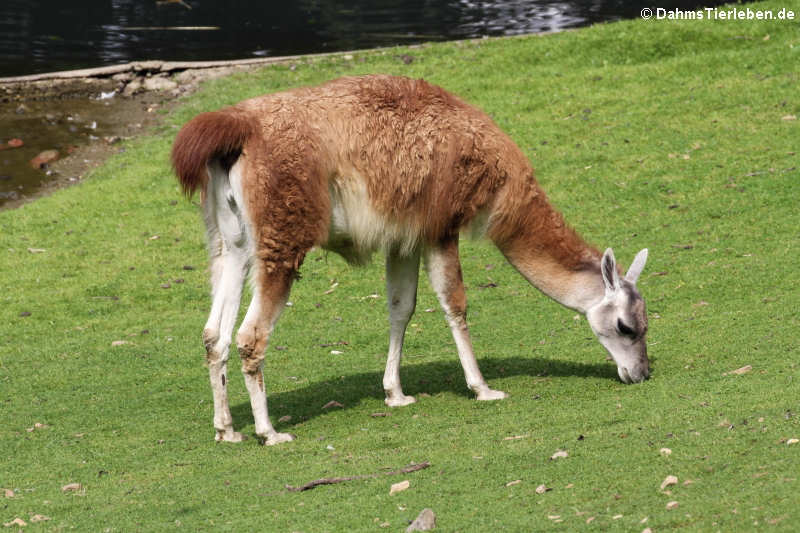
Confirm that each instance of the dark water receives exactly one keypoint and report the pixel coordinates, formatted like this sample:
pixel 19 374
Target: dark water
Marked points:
pixel 47 35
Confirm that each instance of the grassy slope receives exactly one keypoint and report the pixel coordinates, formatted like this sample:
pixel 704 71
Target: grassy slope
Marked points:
pixel 657 134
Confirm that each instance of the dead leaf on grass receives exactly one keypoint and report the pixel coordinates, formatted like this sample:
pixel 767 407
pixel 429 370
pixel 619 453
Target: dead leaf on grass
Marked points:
pixel 516 437
pixel 560 454
pixel 8 493
pixel 333 287
pixel 665 452
pixel 399 487
pixel 739 371
pixel 332 403
pixel 541 489
pixel 119 343
pixel 515 482
pixel 789 117
pixel 39 518
pixel 285 418
pixel 16 522
pixel 669 480
pixel 71 487
pixel 672 505
pixel 792 441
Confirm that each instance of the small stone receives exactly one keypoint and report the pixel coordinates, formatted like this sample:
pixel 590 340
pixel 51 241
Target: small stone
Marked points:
pixel 158 83
pixel 425 521
pixel 71 487
pixel 665 451
pixel 560 454
pixel 399 487
pixel 672 505
pixel 44 158
pixel 133 87
pixel 669 480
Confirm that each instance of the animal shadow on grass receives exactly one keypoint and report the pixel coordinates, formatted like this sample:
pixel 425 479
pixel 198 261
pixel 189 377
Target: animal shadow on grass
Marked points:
pixel 307 402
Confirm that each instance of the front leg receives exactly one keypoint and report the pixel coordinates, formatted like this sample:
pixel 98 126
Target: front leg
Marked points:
pixel 402 274
pixel 444 272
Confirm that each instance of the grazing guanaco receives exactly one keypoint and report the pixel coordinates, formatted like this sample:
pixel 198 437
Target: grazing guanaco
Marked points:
pixel 380 162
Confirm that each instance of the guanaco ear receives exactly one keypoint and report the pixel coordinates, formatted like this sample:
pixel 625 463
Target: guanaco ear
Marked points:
pixel 637 266
pixel 608 267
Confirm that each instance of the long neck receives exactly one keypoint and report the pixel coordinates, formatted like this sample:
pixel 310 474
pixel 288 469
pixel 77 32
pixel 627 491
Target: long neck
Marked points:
pixel 576 289
pixel 549 254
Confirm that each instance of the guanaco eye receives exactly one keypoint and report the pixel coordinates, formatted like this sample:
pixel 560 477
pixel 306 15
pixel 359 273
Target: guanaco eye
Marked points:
pixel 625 330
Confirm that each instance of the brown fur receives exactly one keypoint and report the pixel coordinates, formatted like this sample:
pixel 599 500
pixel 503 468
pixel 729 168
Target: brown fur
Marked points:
pixel 213 135
pixel 429 162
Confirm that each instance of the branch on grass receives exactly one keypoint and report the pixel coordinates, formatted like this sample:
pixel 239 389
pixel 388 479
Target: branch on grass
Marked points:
pixel 333 480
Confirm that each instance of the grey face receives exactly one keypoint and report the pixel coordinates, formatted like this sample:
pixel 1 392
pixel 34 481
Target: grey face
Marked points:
pixel 620 319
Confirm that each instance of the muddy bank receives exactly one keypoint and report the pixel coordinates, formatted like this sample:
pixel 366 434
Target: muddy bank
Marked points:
pixel 85 115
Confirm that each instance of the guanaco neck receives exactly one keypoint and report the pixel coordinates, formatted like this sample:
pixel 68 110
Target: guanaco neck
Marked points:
pixel 577 289
pixel 544 249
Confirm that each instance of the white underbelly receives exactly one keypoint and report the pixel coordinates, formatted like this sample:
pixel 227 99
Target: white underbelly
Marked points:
pixel 357 229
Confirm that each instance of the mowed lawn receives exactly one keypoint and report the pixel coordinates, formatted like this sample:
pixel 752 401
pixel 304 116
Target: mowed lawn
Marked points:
pixel 678 136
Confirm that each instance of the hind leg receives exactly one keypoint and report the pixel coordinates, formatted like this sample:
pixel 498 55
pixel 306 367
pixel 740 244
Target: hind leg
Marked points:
pixel 229 263
pixel 270 293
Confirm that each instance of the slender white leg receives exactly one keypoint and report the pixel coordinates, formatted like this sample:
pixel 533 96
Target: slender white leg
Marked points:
pixel 402 274
pixel 444 272
pixel 252 338
pixel 229 264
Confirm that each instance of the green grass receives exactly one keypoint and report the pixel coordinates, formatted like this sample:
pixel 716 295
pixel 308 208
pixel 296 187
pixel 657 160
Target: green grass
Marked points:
pixel 666 135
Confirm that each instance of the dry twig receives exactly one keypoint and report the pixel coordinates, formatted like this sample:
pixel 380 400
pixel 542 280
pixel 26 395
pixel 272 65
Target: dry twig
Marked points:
pixel 333 480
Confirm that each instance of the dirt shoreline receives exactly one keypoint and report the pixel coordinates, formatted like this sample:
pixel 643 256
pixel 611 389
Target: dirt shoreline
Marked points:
pixel 134 93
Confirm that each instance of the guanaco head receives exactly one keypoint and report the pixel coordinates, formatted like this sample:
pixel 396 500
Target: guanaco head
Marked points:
pixel 620 320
